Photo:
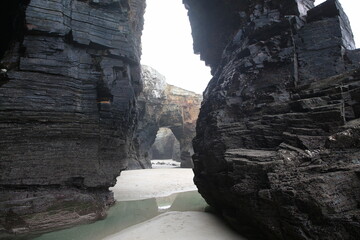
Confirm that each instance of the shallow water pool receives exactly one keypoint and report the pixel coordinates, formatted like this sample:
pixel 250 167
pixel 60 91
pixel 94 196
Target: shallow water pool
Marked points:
pixel 127 213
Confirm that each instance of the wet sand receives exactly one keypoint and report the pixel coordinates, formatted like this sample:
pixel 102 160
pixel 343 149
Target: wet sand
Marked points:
pixel 156 204
pixel 152 183
pixel 179 226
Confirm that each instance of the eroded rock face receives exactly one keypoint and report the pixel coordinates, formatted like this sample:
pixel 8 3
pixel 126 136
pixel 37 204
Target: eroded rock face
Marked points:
pixel 164 105
pixel 68 87
pixel 277 142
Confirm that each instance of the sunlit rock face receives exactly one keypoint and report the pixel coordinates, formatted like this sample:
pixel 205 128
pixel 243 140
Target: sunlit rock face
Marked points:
pixel 277 141
pixel 164 105
pixel 69 81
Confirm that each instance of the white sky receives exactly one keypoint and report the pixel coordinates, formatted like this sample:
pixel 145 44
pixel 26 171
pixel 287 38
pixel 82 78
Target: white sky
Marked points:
pixel 167 42
pixel 351 8
pixel 167 45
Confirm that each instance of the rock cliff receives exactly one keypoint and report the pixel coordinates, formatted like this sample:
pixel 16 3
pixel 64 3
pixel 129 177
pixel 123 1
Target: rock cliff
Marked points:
pixel 69 80
pixel 277 141
pixel 164 105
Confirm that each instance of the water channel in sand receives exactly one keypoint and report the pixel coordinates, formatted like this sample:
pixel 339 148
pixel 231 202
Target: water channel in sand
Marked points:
pixel 152 203
pixel 127 213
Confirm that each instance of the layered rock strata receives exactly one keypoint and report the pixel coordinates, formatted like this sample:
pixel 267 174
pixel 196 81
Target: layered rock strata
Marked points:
pixel 164 105
pixel 277 142
pixel 69 81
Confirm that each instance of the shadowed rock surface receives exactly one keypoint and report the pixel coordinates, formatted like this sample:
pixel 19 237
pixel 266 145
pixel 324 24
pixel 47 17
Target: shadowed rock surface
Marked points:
pixel 164 105
pixel 166 146
pixel 69 81
pixel 277 141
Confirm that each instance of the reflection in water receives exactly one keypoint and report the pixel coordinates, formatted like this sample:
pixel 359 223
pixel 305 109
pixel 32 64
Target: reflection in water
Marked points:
pixel 189 201
pixel 164 203
pixel 128 213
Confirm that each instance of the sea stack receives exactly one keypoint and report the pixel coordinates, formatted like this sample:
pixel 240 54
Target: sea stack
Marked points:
pixel 277 141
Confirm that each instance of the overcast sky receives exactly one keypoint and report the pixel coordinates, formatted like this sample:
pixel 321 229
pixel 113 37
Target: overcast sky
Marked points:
pixel 167 42
pixel 351 7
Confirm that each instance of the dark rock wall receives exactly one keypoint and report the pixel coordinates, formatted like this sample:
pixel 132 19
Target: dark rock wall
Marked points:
pixel 276 146
pixel 68 94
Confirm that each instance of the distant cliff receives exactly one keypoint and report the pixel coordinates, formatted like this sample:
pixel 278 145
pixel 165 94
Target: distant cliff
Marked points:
pixel 164 105
pixel 277 141
pixel 69 80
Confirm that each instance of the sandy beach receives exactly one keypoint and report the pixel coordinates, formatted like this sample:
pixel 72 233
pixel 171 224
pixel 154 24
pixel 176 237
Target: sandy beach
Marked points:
pixel 156 204
pixel 174 225
pixel 179 226
pixel 152 183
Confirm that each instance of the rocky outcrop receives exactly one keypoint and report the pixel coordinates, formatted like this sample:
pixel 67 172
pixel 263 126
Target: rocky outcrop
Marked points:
pixel 277 142
pixel 166 146
pixel 164 105
pixel 69 81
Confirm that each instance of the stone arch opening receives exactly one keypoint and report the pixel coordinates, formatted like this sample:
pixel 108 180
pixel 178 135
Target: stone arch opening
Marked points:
pixel 162 105
pixel 78 146
pixel 166 146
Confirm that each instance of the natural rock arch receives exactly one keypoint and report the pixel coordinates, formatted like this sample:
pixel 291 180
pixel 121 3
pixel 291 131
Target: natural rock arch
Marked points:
pixel 166 146
pixel 278 136
pixel 164 105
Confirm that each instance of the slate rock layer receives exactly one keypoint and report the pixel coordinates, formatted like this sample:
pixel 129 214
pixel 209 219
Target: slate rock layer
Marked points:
pixel 69 81
pixel 277 141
